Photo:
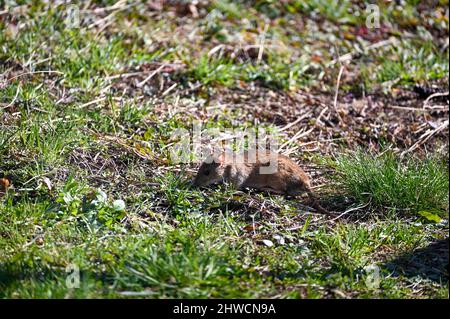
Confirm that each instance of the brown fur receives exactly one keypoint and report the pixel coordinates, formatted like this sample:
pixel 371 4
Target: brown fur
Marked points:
pixel 243 171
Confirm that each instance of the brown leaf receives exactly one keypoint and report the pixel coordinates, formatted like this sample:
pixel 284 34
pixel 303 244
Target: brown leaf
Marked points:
pixel 47 183
pixel 249 228
pixel 4 183
pixel 316 58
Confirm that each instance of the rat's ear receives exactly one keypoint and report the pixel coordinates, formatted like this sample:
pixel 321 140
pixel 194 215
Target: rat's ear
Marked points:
pixel 221 159
pixel 216 160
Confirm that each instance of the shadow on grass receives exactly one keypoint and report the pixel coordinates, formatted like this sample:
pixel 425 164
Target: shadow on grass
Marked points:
pixel 430 262
pixel 36 282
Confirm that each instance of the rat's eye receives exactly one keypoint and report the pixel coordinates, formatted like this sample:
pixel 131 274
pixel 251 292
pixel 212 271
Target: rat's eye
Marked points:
pixel 206 172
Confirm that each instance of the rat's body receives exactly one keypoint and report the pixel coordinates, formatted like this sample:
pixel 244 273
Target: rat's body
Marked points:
pixel 263 170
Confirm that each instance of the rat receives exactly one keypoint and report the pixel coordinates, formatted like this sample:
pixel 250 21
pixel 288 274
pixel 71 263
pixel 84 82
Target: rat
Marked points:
pixel 261 170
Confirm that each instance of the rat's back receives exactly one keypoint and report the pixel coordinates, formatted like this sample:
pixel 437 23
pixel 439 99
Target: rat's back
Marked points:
pixel 270 171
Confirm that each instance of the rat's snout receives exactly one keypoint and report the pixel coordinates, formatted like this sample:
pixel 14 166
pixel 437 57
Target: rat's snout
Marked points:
pixel 207 174
pixel 201 181
pixel 196 181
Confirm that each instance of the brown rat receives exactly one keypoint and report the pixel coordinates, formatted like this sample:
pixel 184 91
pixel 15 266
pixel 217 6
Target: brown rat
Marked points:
pixel 262 170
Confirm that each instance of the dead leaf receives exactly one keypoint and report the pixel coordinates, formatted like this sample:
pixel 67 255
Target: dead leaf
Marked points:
pixel 48 183
pixel 4 184
pixel 279 239
pixel 316 58
pixel 267 242
pixel 39 241
pixel 249 228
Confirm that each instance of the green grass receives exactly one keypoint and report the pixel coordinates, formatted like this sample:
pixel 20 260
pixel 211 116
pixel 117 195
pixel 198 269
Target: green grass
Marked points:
pixel 215 71
pixel 388 182
pixel 199 256
pixel 413 64
pixel 94 186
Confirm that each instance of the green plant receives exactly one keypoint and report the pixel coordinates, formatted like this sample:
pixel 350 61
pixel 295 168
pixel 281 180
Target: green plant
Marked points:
pixel 90 205
pixel 408 185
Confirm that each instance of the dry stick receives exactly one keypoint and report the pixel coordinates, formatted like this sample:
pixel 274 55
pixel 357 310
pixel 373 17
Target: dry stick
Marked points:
pixel 14 99
pixel 103 28
pixel 245 47
pixel 425 103
pixel 122 142
pixel 416 109
pixel 92 102
pixel 297 136
pixel 115 6
pixel 62 97
pixel 253 225
pixel 425 137
pixel 350 210
pixel 141 84
pixel 437 108
pixel 341 70
pixel 34 72
pixel 122 76
pixel 169 89
pixel 300 134
pixel 86 6
pixel 349 56
pixel 290 150
pixel 35 63
pixel 215 49
pixel 261 44
pixel 98 22
pixel 295 122
pixel 322 141
pixel 321 114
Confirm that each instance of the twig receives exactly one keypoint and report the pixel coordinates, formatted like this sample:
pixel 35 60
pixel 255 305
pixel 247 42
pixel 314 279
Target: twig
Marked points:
pixel 141 84
pixel 117 7
pixel 425 137
pixel 297 136
pixel 295 122
pixel 169 89
pixel 215 49
pixel 349 56
pixel 425 103
pixel 261 43
pixel 14 99
pixel 351 210
pixel 416 109
pixel 318 119
pixel 36 63
pixel 34 72
pixel 122 75
pixel 341 70
pixel 98 22
pixel 322 141
pixel 92 102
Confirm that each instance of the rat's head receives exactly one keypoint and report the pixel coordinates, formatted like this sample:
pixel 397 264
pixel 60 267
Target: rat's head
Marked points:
pixel 211 171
